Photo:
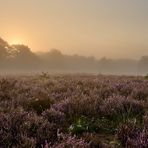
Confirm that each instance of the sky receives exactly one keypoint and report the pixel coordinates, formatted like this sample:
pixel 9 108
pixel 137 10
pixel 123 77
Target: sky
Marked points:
pixel 111 28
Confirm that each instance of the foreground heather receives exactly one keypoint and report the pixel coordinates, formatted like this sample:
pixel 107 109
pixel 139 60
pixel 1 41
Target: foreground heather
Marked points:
pixel 73 111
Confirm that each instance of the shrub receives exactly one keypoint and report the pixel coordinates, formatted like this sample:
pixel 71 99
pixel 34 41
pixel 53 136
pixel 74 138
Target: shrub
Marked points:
pixel 20 128
pixel 94 108
pixel 38 105
pixel 139 141
pixel 73 108
pixel 54 116
pixel 126 131
pixel 120 109
pixel 69 141
pixel 132 136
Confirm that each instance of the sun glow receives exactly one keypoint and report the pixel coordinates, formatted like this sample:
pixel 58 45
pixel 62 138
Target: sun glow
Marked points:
pixel 16 41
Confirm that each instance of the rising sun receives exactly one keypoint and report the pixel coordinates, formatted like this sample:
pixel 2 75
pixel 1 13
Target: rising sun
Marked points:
pixel 16 41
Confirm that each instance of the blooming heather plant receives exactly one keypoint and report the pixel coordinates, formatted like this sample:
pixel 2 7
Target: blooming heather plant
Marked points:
pixel 69 141
pixel 54 116
pixel 132 136
pixel 126 131
pixel 139 141
pixel 120 109
pixel 38 105
pixel 112 110
pixel 18 126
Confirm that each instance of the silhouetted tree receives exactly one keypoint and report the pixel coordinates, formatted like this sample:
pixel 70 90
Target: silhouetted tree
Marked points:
pixel 20 57
pixel 24 57
pixel 5 54
pixel 3 49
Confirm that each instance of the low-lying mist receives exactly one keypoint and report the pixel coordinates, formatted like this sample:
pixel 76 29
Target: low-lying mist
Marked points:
pixel 20 59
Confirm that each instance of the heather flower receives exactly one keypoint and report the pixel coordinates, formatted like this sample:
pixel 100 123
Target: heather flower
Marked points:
pixel 121 108
pixel 107 103
pixel 72 142
pixel 54 116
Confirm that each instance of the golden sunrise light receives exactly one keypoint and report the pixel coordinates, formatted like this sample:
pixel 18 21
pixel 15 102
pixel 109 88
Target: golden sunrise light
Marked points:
pixel 73 73
pixel 86 27
pixel 16 41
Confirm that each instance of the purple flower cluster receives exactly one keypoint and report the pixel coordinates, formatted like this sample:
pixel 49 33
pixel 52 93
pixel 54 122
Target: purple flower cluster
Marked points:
pixel 112 108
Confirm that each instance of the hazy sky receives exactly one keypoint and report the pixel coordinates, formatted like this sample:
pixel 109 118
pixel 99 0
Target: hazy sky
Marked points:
pixel 112 28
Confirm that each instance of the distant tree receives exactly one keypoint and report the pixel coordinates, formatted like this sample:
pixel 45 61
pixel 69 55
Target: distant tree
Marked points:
pixel 3 43
pixel 21 49
pixel 103 64
pixel 54 59
pixel 143 64
pixel 4 48
pixel 17 57
pixel 24 57
pixel 3 53
pixel 55 52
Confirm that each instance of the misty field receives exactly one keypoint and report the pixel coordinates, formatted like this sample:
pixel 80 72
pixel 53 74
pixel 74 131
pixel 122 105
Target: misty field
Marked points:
pixel 73 111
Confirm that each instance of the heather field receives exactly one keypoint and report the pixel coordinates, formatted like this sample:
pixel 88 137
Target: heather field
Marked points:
pixel 73 111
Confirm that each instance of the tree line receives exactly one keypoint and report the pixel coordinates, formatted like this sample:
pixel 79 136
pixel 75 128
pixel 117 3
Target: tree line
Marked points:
pixel 21 58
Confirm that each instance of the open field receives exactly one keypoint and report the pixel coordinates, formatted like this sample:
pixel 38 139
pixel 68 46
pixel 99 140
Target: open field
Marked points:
pixel 73 111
